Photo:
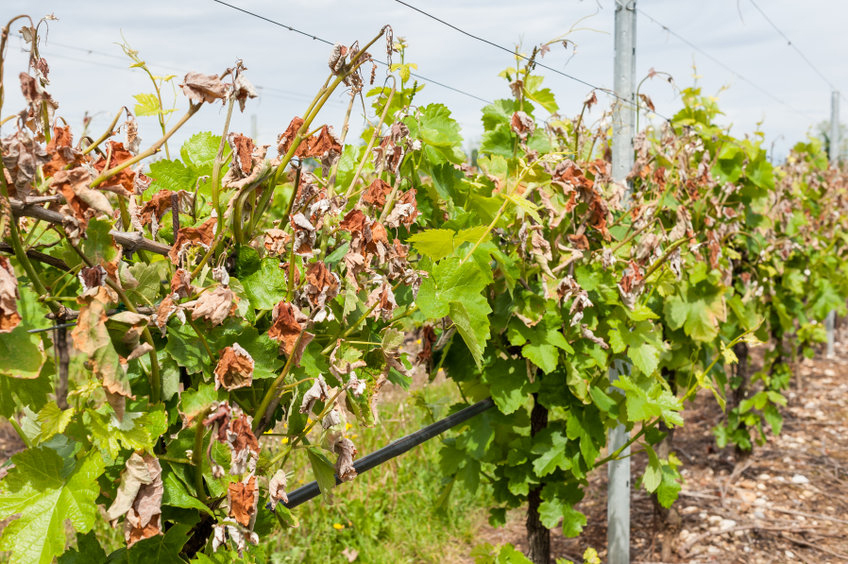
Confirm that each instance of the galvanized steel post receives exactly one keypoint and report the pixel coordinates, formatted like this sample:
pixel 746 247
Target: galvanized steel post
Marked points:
pixel 623 125
pixel 833 154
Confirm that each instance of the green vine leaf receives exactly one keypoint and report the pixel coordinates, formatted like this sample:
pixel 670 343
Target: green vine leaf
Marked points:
pixel 47 491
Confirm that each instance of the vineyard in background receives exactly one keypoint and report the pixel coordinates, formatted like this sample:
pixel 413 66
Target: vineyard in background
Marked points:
pixel 180 336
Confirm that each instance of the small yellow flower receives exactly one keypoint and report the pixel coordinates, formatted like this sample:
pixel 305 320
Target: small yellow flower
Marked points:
pixel 284 440
pixel 348 426
pixel 338 526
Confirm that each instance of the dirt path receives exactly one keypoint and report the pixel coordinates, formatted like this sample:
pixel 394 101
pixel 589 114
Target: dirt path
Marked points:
pixel 787 502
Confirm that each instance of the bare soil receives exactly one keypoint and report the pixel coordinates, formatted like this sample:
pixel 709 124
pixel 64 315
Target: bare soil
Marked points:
pixel 785 502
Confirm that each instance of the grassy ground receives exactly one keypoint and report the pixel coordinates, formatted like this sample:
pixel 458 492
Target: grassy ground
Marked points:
pixel 388 514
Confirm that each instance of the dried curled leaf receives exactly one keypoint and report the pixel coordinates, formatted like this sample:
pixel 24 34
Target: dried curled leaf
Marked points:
pixel 215 306
pixel 344 463
pixel 276 241
pixel 277 488
pixel 22 155
pixel 243 498
pixel 124 182
pixel 321 284
pixel 85 203
pixel 382 299
pixel 522 125
pixel 192 236
pixel 9 316
pixel 61 151
pixel 139 498
pixel 199 87
pixel 286 328
pixel 92 339
pixel 234 369
pixel 181 283
pixel 318 392
pixel 242 90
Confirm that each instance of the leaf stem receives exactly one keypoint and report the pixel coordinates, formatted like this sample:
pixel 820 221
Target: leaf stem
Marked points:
pixel 219 161
pixel 106 134
pixel 197 456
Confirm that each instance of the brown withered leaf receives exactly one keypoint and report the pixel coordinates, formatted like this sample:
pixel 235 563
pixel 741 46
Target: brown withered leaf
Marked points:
pixel 135 324
pixel 244 448
pixel 139 498
pixel 337 62
pixel 167 307
pixel 321 284
pixel 375 194
pixel 190 236
pixel 383 300
pixel 331 419
pixel 135 474
pixel 124 182
pixel 22 155
pixel 286 327
pixel 9 316
pixel 92 277
pixel 140 351
pixel 243 498
pixel 428 339
pixel 344 463
pixel 304 235
pixel 377 240
pixel 199 87
pixel 277 488
pixel 84 202
pixel 317 392
pixel 155 207
pixel 61 151
pixel 38 100
pixel 647 101
pixel 276 241
pixel 215 306
pixel 242 147
pixel 353 221
pixel 131 129
pixel 242 90
pixel 522 125
pixel 389 153
pixel 324 145
pixel 540 247
pixel 220 416
pixel 285 140
pixel 375 392
pixel 404 211
pixel 234 369
pixel 356 385
pixel 181 283
pixel 91 338
pixel 579 241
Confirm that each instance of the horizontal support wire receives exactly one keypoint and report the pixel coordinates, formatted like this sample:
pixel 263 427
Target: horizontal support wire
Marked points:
pixel 569 76
pixel 724 65
pixel 325 41
pixel 395 448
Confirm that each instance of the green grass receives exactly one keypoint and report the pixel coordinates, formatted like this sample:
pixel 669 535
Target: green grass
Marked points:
pixel 388 514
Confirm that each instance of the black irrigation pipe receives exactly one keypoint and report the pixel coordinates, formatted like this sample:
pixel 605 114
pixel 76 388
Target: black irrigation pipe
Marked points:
pixel 395 448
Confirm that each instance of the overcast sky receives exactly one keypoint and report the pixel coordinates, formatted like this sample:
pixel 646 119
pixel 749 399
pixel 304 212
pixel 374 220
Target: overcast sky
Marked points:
pixel 90 74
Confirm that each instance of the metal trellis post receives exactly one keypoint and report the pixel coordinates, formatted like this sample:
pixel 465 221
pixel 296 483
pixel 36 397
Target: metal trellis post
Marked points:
pixel 833 154
pixel 623 125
